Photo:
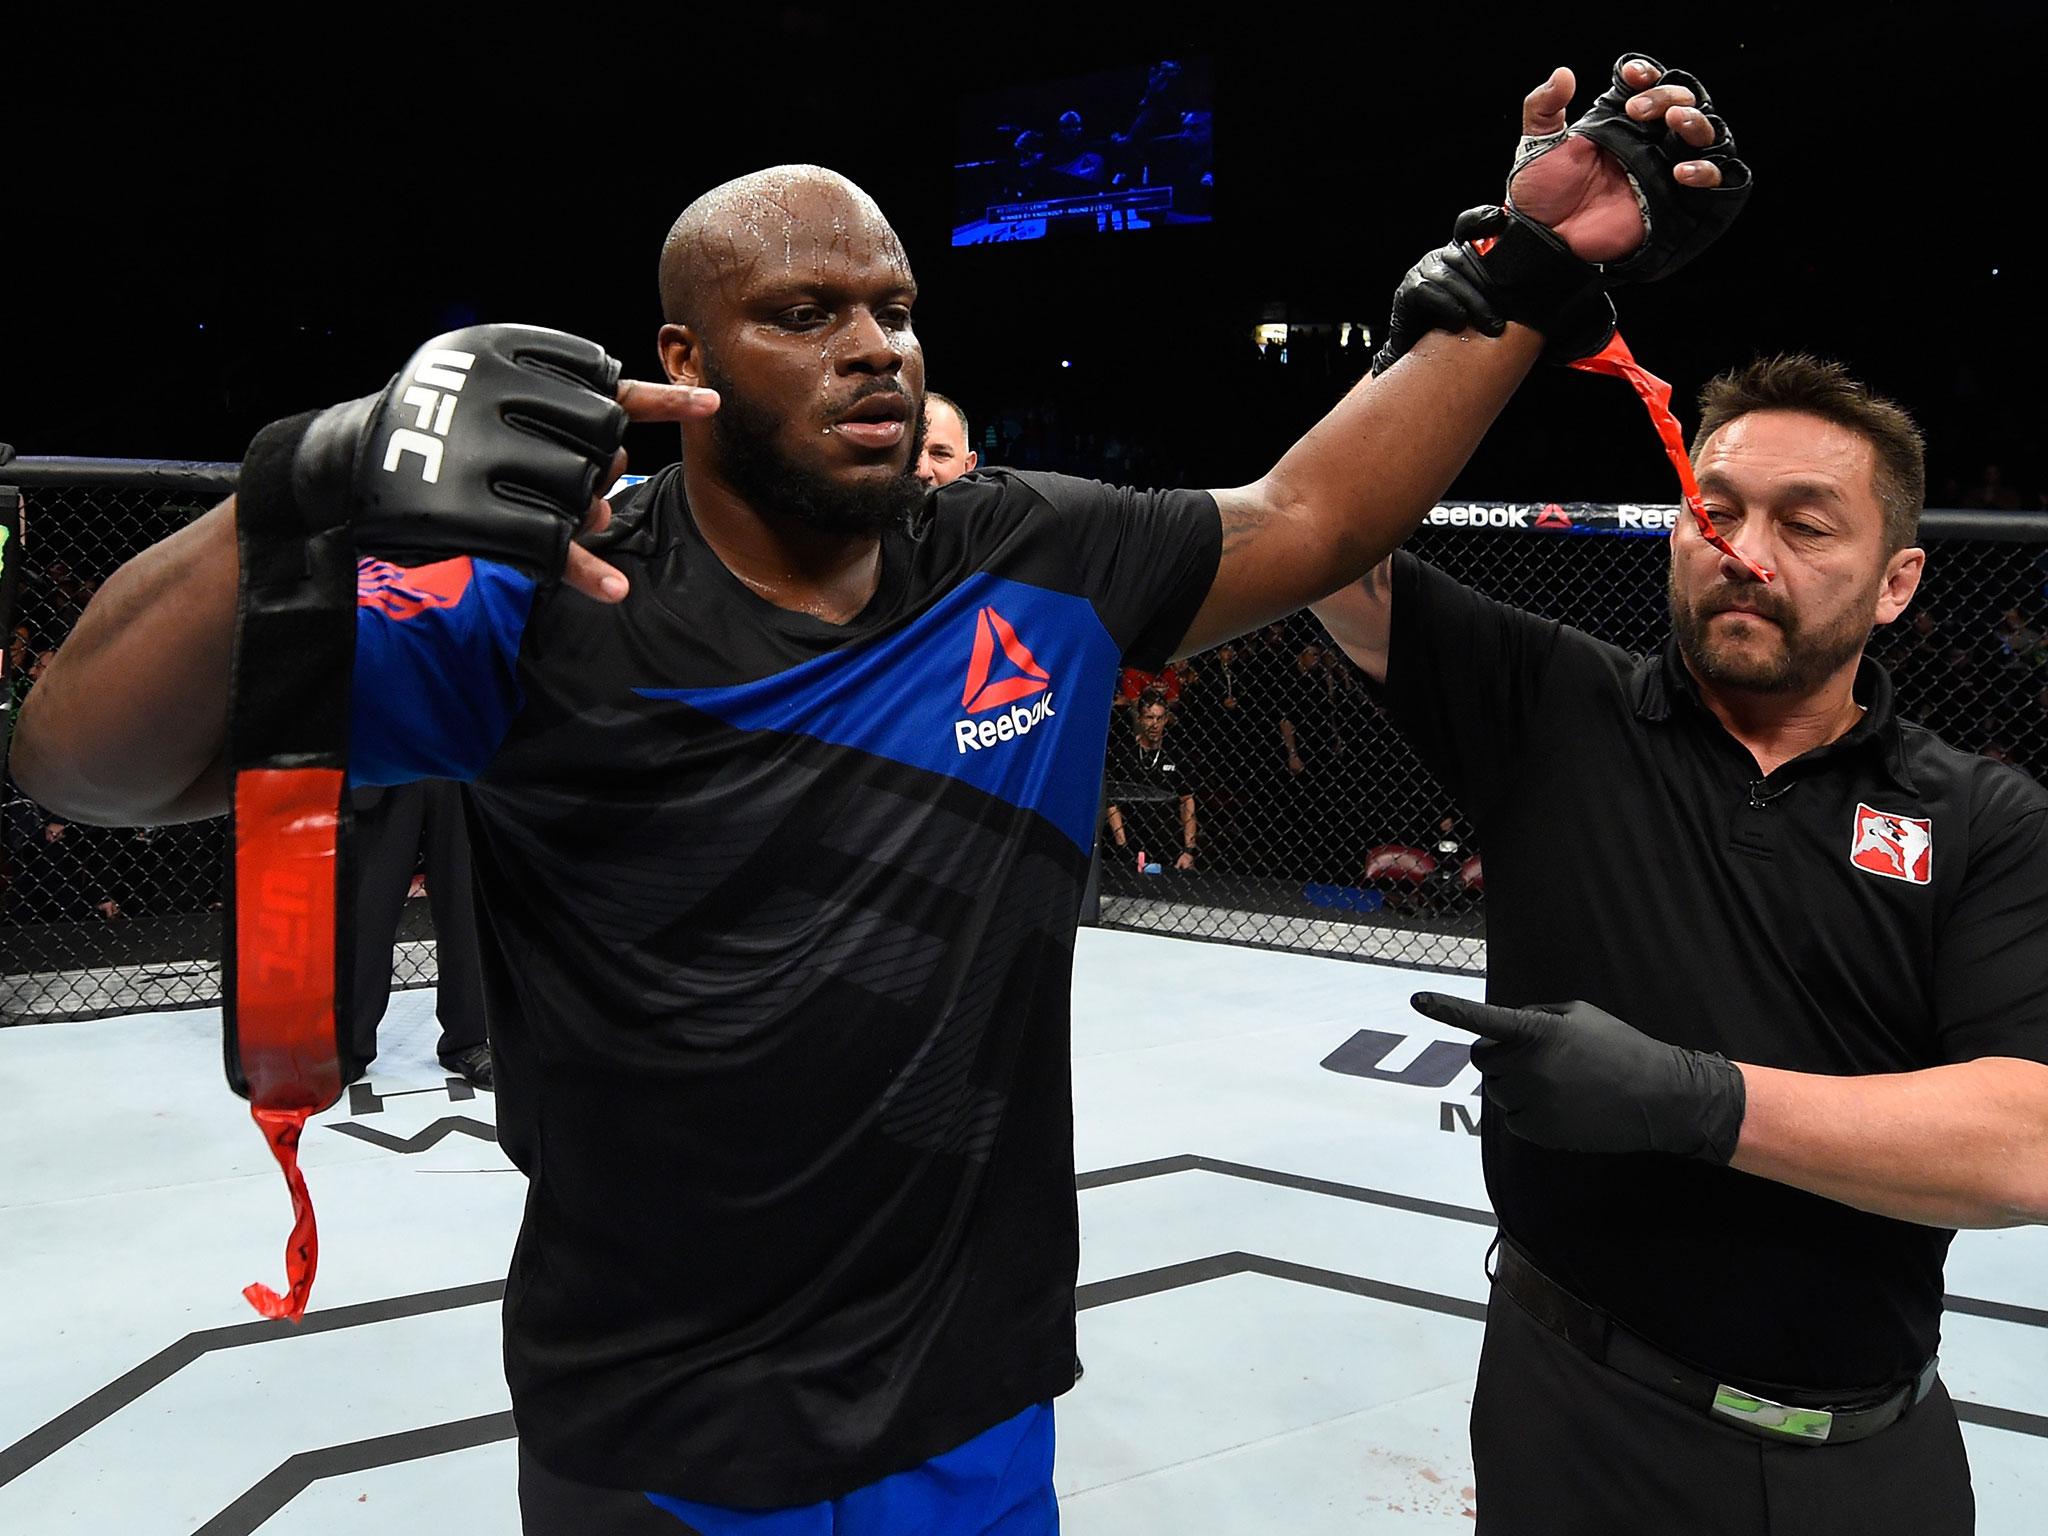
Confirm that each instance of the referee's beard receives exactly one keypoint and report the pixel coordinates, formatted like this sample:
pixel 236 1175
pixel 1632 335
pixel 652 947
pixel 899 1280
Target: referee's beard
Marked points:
pixel 773 484
pixel 1795 658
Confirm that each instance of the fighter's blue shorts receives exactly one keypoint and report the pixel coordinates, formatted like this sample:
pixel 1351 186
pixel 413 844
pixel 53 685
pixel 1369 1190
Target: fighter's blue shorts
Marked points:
pixel 997 1484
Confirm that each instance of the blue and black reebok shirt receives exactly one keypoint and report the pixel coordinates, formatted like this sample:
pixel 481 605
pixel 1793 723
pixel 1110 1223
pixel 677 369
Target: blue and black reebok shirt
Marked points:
pixel 778 921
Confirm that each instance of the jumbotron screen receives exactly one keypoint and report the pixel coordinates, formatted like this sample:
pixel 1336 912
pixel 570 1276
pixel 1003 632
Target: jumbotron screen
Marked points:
pixel 1096 154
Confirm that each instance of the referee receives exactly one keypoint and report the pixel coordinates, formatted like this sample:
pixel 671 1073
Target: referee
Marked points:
pixel 1718 1291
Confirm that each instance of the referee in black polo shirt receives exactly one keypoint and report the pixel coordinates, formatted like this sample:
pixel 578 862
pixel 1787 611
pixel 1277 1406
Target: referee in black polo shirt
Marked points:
pixel 1718 1292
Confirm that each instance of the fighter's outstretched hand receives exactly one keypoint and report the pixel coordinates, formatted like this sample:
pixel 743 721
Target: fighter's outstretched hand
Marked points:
pixel 1642 182
pixel 1575 1078
pixel 494 441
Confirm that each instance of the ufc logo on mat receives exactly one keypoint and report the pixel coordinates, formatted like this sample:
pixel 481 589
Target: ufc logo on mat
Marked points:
pixel 438 371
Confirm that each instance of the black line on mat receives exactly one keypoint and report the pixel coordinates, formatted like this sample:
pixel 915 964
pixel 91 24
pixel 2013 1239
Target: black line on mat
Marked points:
pixel 294 1475
pixel 117 1394
pixel 1191 1163
pixel 1173 1277
pixel 46 1440
pixel 2003 1418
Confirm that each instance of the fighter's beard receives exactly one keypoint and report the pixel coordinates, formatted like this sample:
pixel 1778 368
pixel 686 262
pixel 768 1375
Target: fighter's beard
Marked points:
pixel 745 436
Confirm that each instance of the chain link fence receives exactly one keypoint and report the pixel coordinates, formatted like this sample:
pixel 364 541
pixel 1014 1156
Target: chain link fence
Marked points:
pixel 105 920
pixel 1315 827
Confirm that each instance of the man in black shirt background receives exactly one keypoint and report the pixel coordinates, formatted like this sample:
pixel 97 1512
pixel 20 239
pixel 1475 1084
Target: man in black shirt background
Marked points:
pixel 1723 1221
pixel 1150 792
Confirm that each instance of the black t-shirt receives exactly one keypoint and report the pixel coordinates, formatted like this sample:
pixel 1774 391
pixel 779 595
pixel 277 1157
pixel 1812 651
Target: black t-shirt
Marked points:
pixel 1876 905
pixel 1145 784
pixel 778 920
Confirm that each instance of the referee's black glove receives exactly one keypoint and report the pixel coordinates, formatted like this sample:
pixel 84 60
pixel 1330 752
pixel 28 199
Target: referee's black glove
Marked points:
pixel 1572 1077
pixel 492 441
pixel 1454 289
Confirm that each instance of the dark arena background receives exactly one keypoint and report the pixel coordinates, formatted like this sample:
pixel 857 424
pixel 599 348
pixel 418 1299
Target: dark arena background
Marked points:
pixel 1152 250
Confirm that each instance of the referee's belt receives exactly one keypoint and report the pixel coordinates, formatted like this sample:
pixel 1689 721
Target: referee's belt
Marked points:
pixel 1607 1342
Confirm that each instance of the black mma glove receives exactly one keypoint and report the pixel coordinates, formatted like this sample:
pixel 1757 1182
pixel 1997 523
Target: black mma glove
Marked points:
pixel 1678 221
pixel 491 442
pixel 1571 1077
pixel 1452 289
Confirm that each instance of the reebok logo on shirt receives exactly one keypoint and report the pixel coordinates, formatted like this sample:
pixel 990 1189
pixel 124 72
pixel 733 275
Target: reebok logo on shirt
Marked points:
pixel 984 692
pixel 401 592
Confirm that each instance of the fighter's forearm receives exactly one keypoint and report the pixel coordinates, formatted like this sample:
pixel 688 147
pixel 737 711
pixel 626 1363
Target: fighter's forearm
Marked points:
pixel 1368 471
pixel 1954 1146
pixel 1357 484
pixel 131 715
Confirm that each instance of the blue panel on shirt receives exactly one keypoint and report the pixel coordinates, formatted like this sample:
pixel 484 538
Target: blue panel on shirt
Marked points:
pixel 436 669
pixel 1001 685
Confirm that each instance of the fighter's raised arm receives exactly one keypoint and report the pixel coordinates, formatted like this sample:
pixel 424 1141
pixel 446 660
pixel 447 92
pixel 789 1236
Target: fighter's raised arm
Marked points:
pixel 1627 193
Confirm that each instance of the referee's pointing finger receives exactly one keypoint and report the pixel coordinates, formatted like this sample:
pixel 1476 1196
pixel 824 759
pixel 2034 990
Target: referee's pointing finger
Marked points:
pixel 1505 1024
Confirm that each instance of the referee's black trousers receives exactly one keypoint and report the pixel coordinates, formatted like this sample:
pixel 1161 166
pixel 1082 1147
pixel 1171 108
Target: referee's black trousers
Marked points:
pixel 389 826
pixel 1564 1446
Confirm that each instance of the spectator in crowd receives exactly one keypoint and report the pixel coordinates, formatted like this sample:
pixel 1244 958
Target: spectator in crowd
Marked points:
pixel 1307 720
pixel 2000 751
pixel 1150 790
pixel 2020 642
pixel 1992 491
pixel 1912 650
pixel 395 829
pixel 60 871
pixel 945 456
pixel 1209 721
pixel 1209 685
pixel 20 657
pixel 64 596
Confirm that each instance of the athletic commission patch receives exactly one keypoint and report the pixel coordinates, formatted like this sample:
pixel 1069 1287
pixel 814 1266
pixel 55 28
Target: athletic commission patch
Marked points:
pixel 1897 847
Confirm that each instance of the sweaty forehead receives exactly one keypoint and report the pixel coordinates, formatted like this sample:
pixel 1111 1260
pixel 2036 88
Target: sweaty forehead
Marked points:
pixel 770 232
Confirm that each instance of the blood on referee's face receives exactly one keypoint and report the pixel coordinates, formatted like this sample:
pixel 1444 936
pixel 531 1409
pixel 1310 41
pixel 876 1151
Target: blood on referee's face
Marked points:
pixel 1798 495
pixel 789 293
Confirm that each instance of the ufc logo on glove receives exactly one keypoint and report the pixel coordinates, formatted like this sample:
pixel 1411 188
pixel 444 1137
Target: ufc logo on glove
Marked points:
pixel 437 371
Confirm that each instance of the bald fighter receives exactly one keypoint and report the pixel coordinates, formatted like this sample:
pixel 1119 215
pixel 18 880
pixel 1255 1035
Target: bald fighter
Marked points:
pixel 782 814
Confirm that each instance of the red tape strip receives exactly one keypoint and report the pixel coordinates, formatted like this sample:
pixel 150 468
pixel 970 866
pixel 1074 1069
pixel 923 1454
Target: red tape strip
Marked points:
pixel 281 1129
pixel 1616 361
pixel 287 831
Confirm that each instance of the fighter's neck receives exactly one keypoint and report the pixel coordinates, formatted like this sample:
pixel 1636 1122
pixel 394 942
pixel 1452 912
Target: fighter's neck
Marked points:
pixel 1779 727
pixel 830 576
